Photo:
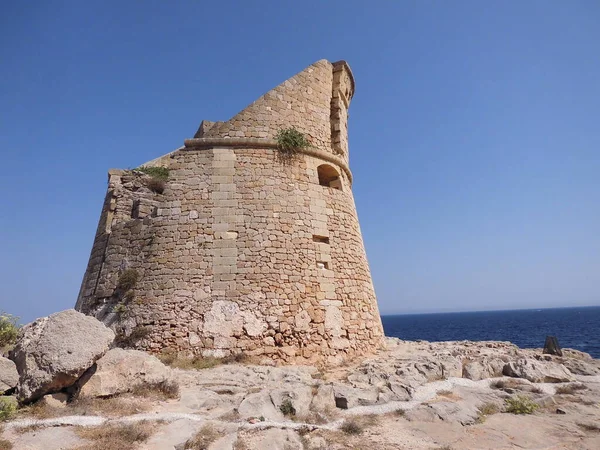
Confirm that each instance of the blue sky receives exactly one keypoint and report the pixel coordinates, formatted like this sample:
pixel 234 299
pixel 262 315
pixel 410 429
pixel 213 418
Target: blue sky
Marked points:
pixel 474 133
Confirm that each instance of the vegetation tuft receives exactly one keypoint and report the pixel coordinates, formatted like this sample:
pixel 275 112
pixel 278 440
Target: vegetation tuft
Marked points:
pixel 8 408
pixel 570 388
pixel 351 426
pixel 520 405
pixel 160 173
pixel 202 439
pixel 171 358
pixel 287 408
pixel 116 437
pixel 289 143
pixel 8 330
pixel 128 279
pixel 164 388
pixel 156 185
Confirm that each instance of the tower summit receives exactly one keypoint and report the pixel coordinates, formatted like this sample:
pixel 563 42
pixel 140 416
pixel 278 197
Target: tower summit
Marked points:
pixel 222 247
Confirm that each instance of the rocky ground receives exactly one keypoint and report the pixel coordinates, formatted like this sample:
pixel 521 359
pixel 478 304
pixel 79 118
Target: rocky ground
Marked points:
pixel 413 395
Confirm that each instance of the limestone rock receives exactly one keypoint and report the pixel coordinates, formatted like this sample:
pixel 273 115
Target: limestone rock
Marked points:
pixel 53 352
pixel 57 400
pixel 9 377
pixel 299 395
pixel 349 397
pixel 537 371
pixel 483 368
pixel 275 439
pixel 324 399
pixel 119 371
pixel 260 405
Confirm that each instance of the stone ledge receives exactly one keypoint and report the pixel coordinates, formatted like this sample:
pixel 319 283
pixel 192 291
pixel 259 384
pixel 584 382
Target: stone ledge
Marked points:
pixel 208 143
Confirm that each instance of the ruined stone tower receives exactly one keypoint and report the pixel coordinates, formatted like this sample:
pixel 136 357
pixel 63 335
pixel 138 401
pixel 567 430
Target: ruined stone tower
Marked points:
pixel 239 251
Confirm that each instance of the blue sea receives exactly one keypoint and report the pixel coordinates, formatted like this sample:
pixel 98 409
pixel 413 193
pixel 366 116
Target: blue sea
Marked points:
pixel 577 328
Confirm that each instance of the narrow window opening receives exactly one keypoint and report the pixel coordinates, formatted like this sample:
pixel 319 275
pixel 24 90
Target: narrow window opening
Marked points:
pixel 322 265
pixel 329 177
pixel 322 239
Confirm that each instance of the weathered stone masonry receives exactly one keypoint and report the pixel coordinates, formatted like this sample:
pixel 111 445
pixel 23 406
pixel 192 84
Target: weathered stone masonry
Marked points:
pixel 242 252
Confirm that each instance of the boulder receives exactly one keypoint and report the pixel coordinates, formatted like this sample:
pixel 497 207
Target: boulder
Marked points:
pixel 537 371
pixel 483 368
pixel 349 397
pixel 324 399
pixel 298 394
pixel 9 377
pixel 51 353
pixel 120 371
pixel 259 405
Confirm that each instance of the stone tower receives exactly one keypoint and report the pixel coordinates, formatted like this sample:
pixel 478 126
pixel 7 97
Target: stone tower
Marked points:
pixel 239 251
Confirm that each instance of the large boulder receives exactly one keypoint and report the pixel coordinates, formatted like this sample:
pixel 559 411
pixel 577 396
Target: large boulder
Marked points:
pixel 486 367
pixel 51 353
pixel 120 371
pixel 9 377
pixel 258 405
pixel 537 371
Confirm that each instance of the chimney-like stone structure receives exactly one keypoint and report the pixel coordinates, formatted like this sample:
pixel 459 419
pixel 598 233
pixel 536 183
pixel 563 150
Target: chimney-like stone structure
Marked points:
pixel 240 251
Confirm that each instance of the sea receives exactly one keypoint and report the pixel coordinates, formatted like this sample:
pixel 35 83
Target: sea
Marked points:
pixel 577 328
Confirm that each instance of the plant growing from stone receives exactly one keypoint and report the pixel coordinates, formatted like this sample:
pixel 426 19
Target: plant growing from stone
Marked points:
pixel 290 142
pixel 287 408
pixel 160 173
pixel 128 279
pixel 520 404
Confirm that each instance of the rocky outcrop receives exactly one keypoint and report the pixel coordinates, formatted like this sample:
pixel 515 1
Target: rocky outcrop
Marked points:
pixel 120 371
pixel 9 377
pixel 51 353
pixel 537 371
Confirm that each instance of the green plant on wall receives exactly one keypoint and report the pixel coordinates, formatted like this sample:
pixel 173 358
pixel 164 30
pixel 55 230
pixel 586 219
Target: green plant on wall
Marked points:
pixel 161 173
pixel 128 279
pixel 290 142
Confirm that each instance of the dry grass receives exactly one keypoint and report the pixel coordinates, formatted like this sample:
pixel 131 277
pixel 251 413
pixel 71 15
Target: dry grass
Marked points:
pixel 570 388
pixel 156 185
pixel 110 407
pixel 487 409
pixel 356 425
pixel 231 416
pixel 4 444
pixel 164 389
pixel 116 436
pixel 202 439
pixel 589 426
pixel 172 359
pixel 507 384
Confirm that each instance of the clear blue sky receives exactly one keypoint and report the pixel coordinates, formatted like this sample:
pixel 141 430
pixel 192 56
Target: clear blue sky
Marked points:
pixel 474 133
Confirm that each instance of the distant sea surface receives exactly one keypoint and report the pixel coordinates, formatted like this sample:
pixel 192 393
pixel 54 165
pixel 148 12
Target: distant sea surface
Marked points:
pixel 577 328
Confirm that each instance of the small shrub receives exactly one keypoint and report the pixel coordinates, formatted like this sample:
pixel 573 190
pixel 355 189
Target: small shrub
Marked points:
pixel 8 408
pixel 400 412
pixel 487 409
pixel 202 439
pixel 116 436
pixel 129 296
pixel 156 185
pixel 128 279
pixel 289 143
pixel 520 405
pixel 164 388
pixel 8 329
pixel 120 308
pixel 570 388
pixel 287 408
pixel 351 426
pixel 160 173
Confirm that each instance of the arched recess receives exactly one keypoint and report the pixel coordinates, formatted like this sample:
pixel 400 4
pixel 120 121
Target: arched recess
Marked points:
pixel 329 176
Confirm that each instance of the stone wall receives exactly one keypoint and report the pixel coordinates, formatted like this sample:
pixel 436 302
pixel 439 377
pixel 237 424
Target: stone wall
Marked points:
pixel 241 252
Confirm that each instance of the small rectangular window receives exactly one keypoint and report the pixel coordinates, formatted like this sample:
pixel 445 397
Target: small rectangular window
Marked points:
pixel 322 265
pixel 321 239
